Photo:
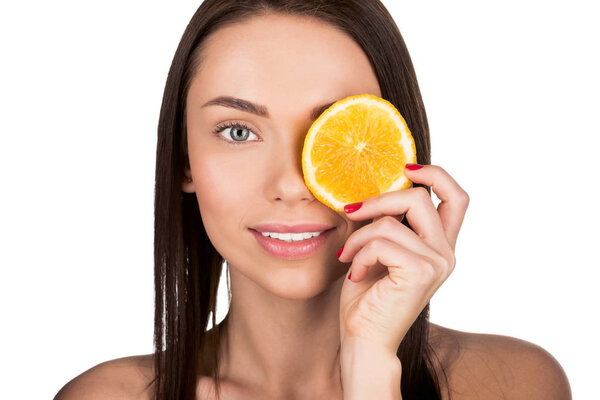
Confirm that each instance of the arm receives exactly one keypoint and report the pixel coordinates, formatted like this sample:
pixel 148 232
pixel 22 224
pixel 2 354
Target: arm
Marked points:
pixel 369 371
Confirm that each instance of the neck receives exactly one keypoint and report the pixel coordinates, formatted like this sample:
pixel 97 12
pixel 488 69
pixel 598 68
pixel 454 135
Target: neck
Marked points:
pixel 282 345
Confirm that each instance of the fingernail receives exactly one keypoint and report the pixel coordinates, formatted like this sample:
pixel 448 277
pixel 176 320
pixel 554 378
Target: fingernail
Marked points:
pixel 350 208
pixel 350 275
pixel 340 251
pixel 413 167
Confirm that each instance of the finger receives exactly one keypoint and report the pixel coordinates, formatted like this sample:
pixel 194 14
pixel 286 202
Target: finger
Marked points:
pixel 454 200
pixel 385 227
pixel 420 212
pixel 399 218
pixel 405 267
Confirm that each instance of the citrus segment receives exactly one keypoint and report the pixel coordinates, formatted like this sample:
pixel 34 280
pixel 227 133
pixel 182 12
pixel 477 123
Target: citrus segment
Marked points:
pixel 357 148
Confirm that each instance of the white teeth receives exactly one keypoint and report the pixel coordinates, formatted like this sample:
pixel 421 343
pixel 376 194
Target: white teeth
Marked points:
pixel 291 237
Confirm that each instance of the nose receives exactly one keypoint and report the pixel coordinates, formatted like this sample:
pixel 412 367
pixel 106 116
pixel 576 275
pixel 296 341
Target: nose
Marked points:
pixel 285 180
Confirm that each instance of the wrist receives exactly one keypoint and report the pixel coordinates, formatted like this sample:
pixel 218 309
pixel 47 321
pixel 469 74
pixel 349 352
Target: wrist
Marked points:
pixel 369 370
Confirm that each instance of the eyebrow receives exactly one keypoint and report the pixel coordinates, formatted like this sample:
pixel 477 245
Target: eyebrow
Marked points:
pixel 257 109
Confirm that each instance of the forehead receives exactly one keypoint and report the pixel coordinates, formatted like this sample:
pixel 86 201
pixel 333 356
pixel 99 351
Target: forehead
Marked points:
pixel 274 58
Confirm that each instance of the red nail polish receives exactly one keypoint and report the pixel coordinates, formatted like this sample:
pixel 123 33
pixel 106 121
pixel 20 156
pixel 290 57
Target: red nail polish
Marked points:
pixel 413 167
pixel 350 208
pixel 350 275
pixel 340 251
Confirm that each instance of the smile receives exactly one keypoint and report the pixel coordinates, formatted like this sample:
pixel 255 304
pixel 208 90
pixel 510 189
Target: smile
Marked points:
pixel 292 246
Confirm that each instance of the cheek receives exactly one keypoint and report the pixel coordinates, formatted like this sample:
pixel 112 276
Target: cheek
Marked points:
pixel 224 189
pixel 219 186
pixel 224 192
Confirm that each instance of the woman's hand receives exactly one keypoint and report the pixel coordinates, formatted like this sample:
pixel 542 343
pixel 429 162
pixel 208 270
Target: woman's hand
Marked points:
pixel 396 271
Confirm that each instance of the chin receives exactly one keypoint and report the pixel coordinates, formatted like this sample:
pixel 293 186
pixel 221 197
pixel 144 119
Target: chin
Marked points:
pixel 298 284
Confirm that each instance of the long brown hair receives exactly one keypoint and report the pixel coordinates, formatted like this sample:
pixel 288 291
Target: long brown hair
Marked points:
pixel 187 266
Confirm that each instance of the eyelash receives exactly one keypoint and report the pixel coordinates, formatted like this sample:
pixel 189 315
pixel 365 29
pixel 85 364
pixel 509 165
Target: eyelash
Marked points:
pixel 222 126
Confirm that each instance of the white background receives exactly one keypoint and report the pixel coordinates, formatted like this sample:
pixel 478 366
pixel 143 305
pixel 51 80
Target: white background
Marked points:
pixel 511 91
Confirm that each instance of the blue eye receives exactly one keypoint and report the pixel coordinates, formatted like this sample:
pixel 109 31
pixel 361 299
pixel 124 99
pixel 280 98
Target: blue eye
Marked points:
pixel 239 132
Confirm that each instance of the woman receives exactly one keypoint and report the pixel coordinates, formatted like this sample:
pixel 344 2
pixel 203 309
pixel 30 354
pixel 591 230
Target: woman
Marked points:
pixel 247 81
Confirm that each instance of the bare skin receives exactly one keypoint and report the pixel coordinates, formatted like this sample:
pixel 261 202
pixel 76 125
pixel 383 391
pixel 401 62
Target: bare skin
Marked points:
pixel 281 309
pixel 478 366
pixel 286 310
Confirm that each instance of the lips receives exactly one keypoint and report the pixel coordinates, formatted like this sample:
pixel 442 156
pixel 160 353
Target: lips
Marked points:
pixel 292 250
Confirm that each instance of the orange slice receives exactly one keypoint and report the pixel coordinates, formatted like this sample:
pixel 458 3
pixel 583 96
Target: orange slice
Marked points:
pixel 357 148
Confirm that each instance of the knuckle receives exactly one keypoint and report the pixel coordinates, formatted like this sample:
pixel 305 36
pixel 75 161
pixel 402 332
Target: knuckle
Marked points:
pixel 441 170
pixel 444 263
pixel 428 264
pixel 447 263
pixel 376 245
pixel 452 262
pixel 422 193
pixel 427 270
pixel 464 198
pixel 387 223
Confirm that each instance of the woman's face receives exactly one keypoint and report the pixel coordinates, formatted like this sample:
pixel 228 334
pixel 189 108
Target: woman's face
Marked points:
pixel 243 178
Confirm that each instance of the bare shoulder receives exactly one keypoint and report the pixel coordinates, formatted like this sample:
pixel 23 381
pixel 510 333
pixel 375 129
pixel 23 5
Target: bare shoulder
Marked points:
pixel 122 378
pixel 498 367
